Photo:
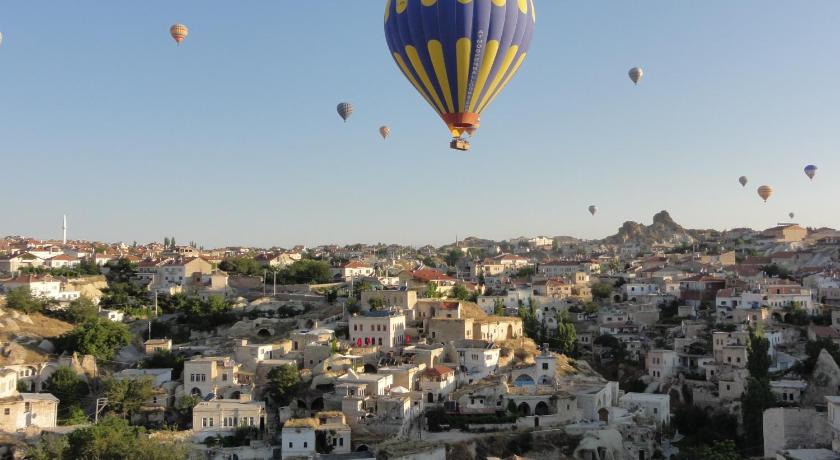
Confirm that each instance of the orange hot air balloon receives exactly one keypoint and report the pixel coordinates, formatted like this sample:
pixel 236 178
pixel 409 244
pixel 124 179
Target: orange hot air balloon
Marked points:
pixel 179 32
pixel 765 192
pixel 384 131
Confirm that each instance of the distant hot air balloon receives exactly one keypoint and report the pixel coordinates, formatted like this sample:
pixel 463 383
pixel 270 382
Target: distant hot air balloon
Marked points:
pixel 743 181
pixel 345 109
pixel 593 209
pixel 384 131
pixel 636 74
pixel 179 32
pixel 765 192
pixel 459 55
pixel 791 215
pixel 811 171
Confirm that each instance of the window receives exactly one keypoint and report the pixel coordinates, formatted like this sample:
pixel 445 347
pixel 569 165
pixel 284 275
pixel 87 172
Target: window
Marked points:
pixel 305 444
pixel 211 421
pixel 545 366
pixel 203 421
pixel 6 411
pixel 291 445
pixel 224 377
pixel 655 410
pixel 340 441
pixel 192 377
pixel 335 442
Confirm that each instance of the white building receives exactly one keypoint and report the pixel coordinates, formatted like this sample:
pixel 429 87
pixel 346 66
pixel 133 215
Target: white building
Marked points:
pixel 661 364
pixel 436 383
pixel 385 329
pixel 477 359
pixel 221 417
pixel 655 406
pixel 299 438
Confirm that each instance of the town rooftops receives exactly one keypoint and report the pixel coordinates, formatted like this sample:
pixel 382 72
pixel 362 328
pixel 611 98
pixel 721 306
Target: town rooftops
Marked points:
pixel 301 423
pixel 438 371
pixel 826 332
pixel 382 313
pixel 354 264
pixel 427 274
pixel 29 279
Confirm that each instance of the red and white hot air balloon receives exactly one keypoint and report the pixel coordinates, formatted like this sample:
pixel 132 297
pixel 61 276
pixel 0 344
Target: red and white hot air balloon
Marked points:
pixel 179 32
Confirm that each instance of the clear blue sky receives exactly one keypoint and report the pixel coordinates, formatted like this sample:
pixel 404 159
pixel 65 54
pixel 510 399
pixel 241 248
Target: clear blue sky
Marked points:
pixel 232 138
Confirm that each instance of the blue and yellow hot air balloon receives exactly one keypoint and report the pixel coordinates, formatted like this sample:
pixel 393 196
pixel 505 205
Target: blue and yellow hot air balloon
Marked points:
pixel 459 54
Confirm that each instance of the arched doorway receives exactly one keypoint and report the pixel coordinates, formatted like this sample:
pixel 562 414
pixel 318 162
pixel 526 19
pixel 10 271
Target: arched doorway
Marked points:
pixel 195 392
pixel 264 333
pixel 235 395
pixel 777 317
pixel 430 398
pixel 541 408
pixel 604 415
pixel 510 331
pixel 370 369
pixel 301 404
pixel 524 408
pixel 362 448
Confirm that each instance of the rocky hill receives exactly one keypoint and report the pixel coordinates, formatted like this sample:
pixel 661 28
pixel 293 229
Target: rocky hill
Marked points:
pixel 662 230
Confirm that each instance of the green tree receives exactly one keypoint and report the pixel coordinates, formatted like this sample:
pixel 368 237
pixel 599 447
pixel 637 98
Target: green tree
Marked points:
pixel 305 271
pixel 432 290
pixel 166 242
pixel 756 399
pixel 566 336
pixel 758 358
pixel 282 382
pixel 718 450
pixel 127 396
pixel 114 439
pixel 525 273
pixel 376 303
pixel 21 299
pixel 452 257
pixel 460 292
pixel 49 447
pixel 165 359
pixel 81 310
pixel 602 291
pixel 183 408
pixel 69 388
pixel 100 338
pixel 498 307
pixel 121 271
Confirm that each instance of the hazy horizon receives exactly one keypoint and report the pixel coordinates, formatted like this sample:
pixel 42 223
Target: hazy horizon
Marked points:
pixel 232 137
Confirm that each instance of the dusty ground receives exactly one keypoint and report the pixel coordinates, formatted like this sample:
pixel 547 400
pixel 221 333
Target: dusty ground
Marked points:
pixel 20 335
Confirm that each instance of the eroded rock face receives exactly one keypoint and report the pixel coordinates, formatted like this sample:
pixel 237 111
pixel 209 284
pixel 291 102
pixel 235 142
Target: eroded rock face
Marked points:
pixel 824 381
pixel 662 229
pixel 603 444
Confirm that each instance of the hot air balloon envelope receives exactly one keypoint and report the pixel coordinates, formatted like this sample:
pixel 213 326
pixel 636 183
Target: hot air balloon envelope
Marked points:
pixel 179 32
pixel 345 109
pixel 593 209
pixel 791 215
pixel 811 171
pixel 765 192
pixel 743 180
pixel 384 131
pixel 459 54
pixel 636 74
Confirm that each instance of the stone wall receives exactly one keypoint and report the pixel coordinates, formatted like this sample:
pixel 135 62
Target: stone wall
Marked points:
pixel 793 428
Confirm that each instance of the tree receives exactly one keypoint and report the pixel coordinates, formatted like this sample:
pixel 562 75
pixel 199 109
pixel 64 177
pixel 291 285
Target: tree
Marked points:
pixel 432 290
pixel 758 359
pixel 498 307
pixel 184 406
pixel 756 399
pixel 121 271
pixel 21 299
pixel 81 310
pixel 525 272
pixel 172 242
pixel 718 450
pixel 376 303
pixel 601 291
pixel 50 447
pixel 164 359
pixel 452 257
pixel 127 396
pixel 100 338
pixel 305 271
pixel 566 336
pixel 460 292
pixel 69 388
pixel 166 242
pixel 282 381
pixel 113 439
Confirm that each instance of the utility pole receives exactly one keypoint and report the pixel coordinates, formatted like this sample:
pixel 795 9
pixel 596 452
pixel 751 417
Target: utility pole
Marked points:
pixel 156 306
pixel 275 284
pixel 100 406
pixel 265 274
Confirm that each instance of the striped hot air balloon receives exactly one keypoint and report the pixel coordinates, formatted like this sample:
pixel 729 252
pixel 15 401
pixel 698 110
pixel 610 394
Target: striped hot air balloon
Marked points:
pixel 743 181
pixel 636 74
pixel 345 109
pixel 179 32
pixel 765 192
pixel 811 171
pixel 459 54
pixel 384 131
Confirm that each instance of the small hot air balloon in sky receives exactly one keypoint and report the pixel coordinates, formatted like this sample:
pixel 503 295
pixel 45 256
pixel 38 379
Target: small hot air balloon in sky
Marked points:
pixel 179 32
pixel 743 181
pixel 765 192
pixel 791 215
pixel 811 171
pixel 345 109
pixel 384 131
pixel 636 74
pixel 593 209
pixel 459 54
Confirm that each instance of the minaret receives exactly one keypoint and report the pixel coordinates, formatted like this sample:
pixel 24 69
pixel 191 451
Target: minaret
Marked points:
pixel 64 230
